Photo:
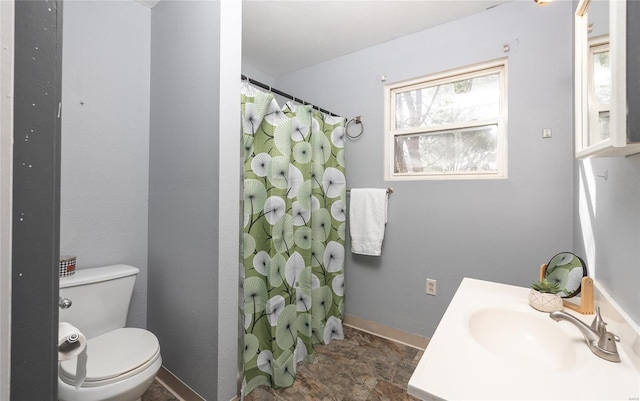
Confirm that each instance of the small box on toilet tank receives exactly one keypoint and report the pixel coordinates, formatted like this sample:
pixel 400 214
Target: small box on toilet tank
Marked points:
pixel 67 266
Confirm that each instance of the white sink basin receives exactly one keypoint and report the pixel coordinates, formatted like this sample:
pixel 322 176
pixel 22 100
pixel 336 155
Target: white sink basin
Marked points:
pixel 532 339
pixel 491 345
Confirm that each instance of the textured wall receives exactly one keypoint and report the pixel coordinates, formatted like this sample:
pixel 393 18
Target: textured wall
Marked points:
pixel 105 138
pixel 183 190
pixel 499 230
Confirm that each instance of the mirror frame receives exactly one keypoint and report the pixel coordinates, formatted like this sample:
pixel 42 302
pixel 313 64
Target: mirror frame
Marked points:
pixel 616 144
pixel 551 267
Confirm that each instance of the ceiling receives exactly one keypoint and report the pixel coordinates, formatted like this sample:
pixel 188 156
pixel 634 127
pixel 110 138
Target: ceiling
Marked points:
pixel 280 36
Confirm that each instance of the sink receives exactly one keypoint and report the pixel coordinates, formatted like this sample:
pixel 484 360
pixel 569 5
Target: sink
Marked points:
pixel 491 345
pixel 533 340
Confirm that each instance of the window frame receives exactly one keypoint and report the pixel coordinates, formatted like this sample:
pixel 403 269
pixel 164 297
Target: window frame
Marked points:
pixel 472 71
pixel 599 44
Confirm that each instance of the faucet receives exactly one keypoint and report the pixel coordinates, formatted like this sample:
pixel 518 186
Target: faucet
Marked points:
pixel 600 341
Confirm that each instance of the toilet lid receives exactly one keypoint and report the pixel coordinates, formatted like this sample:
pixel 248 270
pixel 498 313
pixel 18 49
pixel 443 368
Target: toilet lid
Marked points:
pixel 114 354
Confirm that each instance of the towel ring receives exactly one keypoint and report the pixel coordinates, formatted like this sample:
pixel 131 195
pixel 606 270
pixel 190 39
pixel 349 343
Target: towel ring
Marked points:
pixel 357 120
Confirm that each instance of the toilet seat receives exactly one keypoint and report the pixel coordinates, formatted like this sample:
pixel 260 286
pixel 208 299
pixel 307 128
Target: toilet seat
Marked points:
pixel 114 356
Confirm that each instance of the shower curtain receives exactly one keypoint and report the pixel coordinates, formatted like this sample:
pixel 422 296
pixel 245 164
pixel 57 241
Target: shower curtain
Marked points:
pixel 293 236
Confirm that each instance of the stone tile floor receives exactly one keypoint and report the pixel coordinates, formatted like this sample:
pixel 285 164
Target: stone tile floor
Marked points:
pixel 362 367
pixel 157 392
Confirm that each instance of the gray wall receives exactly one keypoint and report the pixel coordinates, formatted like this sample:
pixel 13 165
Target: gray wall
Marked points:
pixel 607 226
pixel 607 210
pixel 129 199
pixel 499 230
pixel 183 189
pixel 141 171
pixel 258 75
pixel 105 138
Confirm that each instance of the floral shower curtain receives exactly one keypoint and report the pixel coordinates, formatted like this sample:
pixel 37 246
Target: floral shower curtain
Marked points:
pixel 293 236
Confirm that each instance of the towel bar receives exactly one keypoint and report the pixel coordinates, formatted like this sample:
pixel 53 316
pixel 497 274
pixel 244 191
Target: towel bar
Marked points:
pixel 389 190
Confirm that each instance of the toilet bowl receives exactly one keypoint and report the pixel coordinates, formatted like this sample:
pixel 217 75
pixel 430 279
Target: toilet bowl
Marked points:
pixel 121 361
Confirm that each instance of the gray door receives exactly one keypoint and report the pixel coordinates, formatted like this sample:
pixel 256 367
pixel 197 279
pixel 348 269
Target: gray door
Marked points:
pixel 36 200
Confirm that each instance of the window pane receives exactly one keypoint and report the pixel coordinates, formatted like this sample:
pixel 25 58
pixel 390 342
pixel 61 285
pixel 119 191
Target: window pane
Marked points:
pixel 603 120
pixel 598 129
pixel 601 77
pixel 455 102
pixel 462 151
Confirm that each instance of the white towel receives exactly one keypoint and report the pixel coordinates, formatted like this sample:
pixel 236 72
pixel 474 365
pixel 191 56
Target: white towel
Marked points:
pixel 367 219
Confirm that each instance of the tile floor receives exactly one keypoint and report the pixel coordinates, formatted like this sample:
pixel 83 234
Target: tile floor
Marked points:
pixel 157 392
pixel 362 367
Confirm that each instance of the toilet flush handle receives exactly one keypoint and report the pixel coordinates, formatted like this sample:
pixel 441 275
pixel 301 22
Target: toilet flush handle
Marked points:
pixel 64 303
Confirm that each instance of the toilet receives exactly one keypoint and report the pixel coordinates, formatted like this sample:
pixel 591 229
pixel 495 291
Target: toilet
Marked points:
pixel 121 361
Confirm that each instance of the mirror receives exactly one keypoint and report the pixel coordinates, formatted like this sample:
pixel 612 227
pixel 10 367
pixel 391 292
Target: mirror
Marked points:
pixel 566 270
pixel 600 73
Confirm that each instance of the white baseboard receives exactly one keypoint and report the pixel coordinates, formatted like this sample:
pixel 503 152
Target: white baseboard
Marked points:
pixel 176 386
pixel 390 333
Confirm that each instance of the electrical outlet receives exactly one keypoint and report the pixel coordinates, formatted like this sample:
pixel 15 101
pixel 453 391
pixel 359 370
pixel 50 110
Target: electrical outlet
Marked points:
pixel 431 287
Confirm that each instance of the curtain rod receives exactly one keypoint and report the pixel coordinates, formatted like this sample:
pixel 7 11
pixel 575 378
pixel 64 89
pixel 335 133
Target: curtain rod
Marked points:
pixel 283 94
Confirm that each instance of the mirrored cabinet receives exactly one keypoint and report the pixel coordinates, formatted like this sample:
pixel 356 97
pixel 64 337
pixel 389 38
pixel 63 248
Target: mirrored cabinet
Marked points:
pixel 601 90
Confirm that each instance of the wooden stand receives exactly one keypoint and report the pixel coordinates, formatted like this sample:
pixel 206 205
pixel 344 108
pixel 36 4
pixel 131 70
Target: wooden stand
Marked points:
pixel 586 295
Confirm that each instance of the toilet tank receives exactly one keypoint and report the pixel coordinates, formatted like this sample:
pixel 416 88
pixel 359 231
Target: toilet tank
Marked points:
pixel 100 298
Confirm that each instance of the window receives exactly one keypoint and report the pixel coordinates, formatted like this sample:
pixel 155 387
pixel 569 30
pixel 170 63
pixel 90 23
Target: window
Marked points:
pixel 448 126
pixel 599 91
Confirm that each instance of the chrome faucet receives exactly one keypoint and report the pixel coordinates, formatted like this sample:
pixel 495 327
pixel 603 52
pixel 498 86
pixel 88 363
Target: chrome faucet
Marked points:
pixel 600 341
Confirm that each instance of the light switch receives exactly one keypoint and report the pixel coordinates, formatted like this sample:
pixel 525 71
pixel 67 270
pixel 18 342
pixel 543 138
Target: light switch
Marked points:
pixel 546 133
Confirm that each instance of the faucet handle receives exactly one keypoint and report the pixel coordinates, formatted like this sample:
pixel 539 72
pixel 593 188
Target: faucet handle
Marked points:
pixel 598 325
pixel 607 342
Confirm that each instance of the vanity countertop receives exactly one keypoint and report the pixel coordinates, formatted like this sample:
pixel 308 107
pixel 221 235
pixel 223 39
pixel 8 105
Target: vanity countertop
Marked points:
pixel 472 355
